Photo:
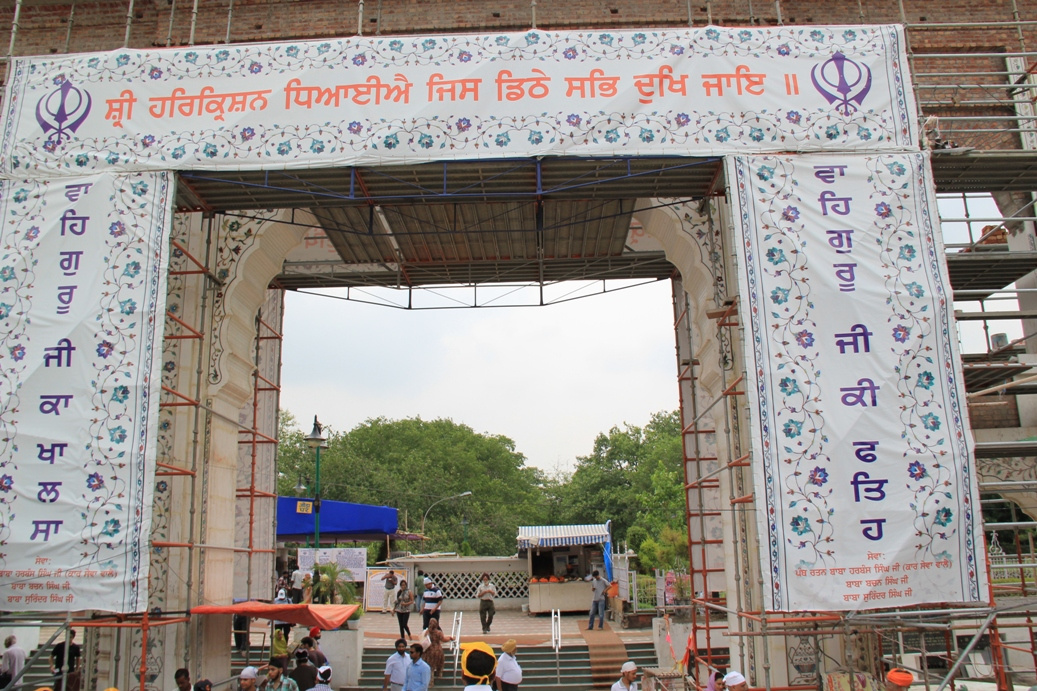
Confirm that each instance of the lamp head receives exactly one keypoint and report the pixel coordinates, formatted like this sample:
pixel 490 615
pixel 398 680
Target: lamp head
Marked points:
pixel 315 439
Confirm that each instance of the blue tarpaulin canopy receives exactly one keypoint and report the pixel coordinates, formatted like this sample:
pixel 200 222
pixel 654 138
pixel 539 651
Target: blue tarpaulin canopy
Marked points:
pixel 338 520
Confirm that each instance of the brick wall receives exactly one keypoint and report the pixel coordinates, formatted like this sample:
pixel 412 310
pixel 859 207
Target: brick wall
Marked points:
pixel 999 411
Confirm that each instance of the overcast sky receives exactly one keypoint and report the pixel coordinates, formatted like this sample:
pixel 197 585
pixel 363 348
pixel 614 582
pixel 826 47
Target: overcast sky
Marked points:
pixel 550 378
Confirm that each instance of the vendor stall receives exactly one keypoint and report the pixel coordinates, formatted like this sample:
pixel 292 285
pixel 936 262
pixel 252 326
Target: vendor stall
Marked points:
pixel 559 558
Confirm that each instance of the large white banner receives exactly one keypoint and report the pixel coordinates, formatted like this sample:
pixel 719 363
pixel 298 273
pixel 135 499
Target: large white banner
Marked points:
pixel 82 299
pixel 369 101
pixel 865 480
pixel 352 559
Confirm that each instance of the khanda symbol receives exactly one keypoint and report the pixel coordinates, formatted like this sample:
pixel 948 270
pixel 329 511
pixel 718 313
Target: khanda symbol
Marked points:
pixel 842 82
pixel 62 111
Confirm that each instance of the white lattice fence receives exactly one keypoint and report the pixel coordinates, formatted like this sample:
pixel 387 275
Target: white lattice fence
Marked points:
pixel 458 586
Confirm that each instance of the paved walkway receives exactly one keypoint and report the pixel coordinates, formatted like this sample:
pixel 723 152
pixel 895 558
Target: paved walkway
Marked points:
pixel 382 629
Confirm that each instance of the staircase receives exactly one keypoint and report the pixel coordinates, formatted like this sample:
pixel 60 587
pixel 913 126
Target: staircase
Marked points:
pixel 541 671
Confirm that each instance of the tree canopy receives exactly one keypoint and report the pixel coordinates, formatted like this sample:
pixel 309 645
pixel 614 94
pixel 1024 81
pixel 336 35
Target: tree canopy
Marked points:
pixel 633 477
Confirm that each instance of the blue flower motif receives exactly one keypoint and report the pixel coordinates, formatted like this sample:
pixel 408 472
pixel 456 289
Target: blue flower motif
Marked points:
pixel 81 161
pixel 722 135
pixel 503 40
pixel 682 120
pixel 425 141
pixel 569 53
pixel 17 352
pixel 359 59
pixel 907 252
pixel 765 173
pixel 120 394
pixel 122 60
pixel 775 255
pixel 864 133
pixel 915 290
pixel 788 386
pixel 536 137
pixel 128 306
pixel 464 56
pixel 155 73
pixel 5 310
pixel 284 148
pixel 804 338
pixel 396 46
pixel 111 527
pixel 532 38
pixel 779 296
pixel 901 333
pixel 428 44
pixel 712 34
pixel 832 132
pixel 931 421
pixel 139 189
pixel 32 233
pixel 816 35
pixel 790 214
pixel 117 229
pixel 390 141
pixel 744 35
pixel 112 158
pixel 93 63
pixel 50 146
pixel 21 196
pixel 943 517
pixel 222 55
pixel 131 269
pixel 883 210
pixel 792 428
pixel 502 139
pixel 323 48
pixel 117 435
pixel 292 51
pixel 463 124
pixel 850 35
pixel 784 49
pixel 161 486
pixel 355 127
pixel 756 134
pixel 605 39
pixel 7 273
pixel 210 150
pixel 94 481
pixel 926 380
pixel 317 146
pixel 178 152
pixel 896 168
pixel 169 365
pixel 646 135
pixel 612 135
pixel 6 483
pixel 254 67
pixel 639 38
pixel 573 120
pixel 799 525
pixel 794 117
pixel 105 348
pixel 247 133
pixel 147 140
pixel 916 470
pixel 676 50
pixel 818 476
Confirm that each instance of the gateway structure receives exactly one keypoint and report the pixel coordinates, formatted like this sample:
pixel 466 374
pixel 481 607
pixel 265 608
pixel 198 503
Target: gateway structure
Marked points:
pixel 784 177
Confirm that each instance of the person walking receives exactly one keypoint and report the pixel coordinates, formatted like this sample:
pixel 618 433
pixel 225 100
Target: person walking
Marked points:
pixel 396 668
pixel 509 673
pixel 419 591
pixel 389 580
pixel 304 674
pixel 12 662
pixel 486 593
pixel 404 601
pixel 598 586
pixel 419 674
pixel 296 584
pixel 433 598
pixel 433 654
pixel 284 626
pixel 627 676
pixel 64 662
pixel 276 679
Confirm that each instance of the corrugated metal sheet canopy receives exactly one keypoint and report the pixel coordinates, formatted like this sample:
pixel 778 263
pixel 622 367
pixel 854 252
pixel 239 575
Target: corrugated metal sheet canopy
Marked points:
pixel 561 535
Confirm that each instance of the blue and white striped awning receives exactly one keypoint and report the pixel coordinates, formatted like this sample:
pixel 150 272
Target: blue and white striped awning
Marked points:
pixel 562 535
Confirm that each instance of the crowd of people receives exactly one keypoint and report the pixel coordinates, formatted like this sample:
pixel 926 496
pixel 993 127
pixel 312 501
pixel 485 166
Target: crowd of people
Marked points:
pixel 410 669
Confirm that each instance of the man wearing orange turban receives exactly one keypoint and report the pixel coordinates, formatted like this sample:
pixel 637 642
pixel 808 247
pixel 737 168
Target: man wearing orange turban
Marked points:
pixel 898 679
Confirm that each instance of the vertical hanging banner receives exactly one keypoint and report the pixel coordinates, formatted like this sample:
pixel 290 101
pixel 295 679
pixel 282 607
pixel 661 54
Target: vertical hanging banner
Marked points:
pixel 82 297
pixel 864 471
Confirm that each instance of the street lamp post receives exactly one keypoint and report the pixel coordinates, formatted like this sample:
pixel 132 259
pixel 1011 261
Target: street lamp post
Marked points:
pixel 456 496
pixel 316 441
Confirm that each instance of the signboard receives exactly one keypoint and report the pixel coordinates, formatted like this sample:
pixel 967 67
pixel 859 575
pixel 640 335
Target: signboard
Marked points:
pixel 384 101
pixel 353 559
pixel 865 477
pixel 82 299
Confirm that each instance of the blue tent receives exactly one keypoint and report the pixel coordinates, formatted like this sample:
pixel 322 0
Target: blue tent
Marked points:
pixel 339 520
